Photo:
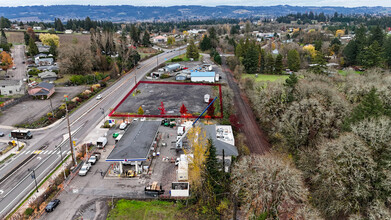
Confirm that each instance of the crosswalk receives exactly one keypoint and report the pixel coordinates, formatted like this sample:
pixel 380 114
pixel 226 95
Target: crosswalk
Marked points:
pixel 47 152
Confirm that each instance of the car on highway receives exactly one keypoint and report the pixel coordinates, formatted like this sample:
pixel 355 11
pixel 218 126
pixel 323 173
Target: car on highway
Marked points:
pixel 1 134
pixel 52 205
pixel 14 67
pixel 138 67
pixel 84 169
pixel 98 97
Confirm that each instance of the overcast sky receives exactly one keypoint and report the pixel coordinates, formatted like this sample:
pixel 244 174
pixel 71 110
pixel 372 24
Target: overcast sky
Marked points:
pixel 346 3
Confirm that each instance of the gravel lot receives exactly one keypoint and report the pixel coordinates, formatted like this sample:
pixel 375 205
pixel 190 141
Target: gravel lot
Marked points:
pixel 171 95
pixel 29 111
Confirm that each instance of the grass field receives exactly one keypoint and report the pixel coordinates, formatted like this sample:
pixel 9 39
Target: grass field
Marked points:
pixel 344 72
pixel 264 77
pixel 140 210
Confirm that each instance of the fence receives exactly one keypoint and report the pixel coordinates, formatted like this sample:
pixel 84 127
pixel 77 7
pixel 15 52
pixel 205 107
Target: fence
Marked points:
pixel 8 103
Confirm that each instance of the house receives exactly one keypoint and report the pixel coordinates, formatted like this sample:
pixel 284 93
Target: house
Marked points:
pixel 42 90
pixel 42 48
pixel 159 39
pixel 68 31
pixel 44 61
pixel 203 77
pixel 223 139
pixel 48 76
pixel 11 87
pixel 37 28
pixel 135 145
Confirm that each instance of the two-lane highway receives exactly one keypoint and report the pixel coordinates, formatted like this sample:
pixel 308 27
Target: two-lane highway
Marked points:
pixel 83 121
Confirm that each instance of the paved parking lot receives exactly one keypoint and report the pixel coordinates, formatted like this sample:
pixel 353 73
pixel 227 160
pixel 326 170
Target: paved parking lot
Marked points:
pixel 31 110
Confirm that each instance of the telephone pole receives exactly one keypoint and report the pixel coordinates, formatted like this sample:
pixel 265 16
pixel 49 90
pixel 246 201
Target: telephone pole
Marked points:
pixel 69 132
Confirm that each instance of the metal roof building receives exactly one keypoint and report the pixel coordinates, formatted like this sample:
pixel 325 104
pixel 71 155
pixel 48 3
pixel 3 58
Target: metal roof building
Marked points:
pixel 136 142
pixel 203 77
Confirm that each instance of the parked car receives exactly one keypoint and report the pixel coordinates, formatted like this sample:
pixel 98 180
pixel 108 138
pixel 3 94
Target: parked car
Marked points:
pixel 14 67
pixel 122 126
pixel 94 158
pixel 1 134
pixel 52 205
pixel 84 169
pixel 98 97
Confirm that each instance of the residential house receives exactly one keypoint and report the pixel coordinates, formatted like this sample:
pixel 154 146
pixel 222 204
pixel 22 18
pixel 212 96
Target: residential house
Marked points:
pixel 42 48
pixel 11 87
pixel 37 28
pixel 48 76
pixel 159 39
pixel 42 90
pixel 68 31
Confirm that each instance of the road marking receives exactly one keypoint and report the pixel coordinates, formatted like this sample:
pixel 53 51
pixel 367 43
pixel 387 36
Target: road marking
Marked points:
pixel 35 152
pixel 44 152
pixel 39 158
pixel 50 152
pixel 28 151
pixel 17 152
pixel 1 192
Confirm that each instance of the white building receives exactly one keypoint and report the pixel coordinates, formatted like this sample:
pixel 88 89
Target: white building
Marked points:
pixel 179 189
pixel 159 39
pixel 203 77
pixel 68 31
pixel 11 87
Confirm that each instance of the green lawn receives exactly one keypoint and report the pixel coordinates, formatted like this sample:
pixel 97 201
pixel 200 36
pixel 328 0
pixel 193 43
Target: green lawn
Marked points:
pixel 344 72
pixel 140 210
pixel 264 77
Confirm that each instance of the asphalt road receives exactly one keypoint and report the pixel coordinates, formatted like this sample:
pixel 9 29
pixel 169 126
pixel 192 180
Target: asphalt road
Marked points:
pixel 20 72
pixel 83 120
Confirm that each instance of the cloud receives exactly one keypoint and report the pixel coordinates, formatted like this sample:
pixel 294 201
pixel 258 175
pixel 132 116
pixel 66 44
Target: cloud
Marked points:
pixel 355 3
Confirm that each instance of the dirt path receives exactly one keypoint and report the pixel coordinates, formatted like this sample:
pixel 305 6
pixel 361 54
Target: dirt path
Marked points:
pixel 256 139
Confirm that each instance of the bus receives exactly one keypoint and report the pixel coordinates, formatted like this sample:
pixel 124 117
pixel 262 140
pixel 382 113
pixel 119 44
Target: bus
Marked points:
pixel 21 134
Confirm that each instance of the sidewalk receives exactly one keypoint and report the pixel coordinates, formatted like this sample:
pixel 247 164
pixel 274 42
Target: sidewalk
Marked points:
pixel 12 151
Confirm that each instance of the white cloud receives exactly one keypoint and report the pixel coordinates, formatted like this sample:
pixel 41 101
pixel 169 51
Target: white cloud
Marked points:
pixel 346 3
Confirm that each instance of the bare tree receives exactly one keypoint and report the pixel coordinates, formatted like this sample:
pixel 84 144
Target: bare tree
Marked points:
pixel 75 59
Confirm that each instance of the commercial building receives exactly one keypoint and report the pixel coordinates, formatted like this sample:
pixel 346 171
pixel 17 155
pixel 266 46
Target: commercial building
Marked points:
pixel 203 77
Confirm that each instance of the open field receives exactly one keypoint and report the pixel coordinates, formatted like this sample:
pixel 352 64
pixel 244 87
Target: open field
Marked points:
pixel 149 96
pixel 344 72
pixel 140 210
pixel 264 77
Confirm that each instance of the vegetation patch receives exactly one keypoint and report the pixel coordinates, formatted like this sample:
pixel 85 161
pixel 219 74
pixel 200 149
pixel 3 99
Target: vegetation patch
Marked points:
pixel 131 209
pixel 265 77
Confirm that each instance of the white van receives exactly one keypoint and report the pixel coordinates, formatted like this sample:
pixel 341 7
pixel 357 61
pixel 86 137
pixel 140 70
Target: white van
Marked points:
pixel 206 98
pixel 101 142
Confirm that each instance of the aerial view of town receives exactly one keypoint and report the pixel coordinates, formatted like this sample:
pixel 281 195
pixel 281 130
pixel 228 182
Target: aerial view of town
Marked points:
pixel 232 110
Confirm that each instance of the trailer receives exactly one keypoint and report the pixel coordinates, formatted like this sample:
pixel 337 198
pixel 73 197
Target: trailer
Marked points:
pixel 154 189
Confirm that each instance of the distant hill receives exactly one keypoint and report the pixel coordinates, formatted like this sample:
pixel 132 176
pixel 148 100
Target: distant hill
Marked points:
pixel 138 13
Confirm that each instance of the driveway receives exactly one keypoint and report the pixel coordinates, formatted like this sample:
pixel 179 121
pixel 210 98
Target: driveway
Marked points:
pixel 31 110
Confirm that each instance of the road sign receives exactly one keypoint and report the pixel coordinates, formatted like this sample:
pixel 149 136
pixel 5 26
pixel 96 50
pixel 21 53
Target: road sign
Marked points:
pixel 74 143
pixel 66 97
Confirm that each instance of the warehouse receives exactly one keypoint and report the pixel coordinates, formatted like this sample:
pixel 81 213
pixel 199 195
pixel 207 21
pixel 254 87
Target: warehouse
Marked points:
pixel 203 77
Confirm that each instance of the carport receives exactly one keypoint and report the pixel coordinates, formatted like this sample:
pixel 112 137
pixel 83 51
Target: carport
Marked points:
pixel 135 145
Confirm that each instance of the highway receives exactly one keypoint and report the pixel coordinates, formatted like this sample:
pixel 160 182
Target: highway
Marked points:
pixel 15 187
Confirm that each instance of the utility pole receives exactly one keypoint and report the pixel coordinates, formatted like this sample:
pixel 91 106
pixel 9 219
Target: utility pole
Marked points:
pixel 51 106
pixel 69 132
pixel 65 176
pixel 34 177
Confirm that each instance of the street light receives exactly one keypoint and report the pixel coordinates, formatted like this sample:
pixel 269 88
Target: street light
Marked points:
pixel 33 177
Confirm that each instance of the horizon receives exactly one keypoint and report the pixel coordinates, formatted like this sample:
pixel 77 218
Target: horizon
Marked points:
pixel 204 3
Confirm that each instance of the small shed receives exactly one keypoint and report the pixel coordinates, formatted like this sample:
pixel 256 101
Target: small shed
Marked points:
pixel 203 77
pixel 172 67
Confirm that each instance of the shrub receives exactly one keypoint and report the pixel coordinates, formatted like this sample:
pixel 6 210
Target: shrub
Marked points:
pixel 28 212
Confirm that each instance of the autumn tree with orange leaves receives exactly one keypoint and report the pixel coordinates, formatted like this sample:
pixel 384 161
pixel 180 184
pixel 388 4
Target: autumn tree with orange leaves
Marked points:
pixel 6 60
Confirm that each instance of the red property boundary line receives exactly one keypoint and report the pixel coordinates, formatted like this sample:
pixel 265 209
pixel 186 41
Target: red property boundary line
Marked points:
pixel 112 113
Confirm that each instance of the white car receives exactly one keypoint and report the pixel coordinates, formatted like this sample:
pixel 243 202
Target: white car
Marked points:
pixel 98 97
pixel 84 169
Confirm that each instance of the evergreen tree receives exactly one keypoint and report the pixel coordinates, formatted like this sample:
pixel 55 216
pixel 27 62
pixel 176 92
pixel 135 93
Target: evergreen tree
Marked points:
pixel 372 56
pixel 33 49
pixel 377 34
pixel 26 38
pixel 370 107
pixel 192 51
pixel 134 35
pixel 350 53
pixel 387 51
pixel 320 64
pixel 291 83
pixel 3 38
pixel 278 65
pixel 205 43
pixel 269 69
pixel 293 60
pixel 214 172
pixel 250 60
pixel 140 111
pixel 53 49
pixel 146 41
pixel 318 45
pixel 262 61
